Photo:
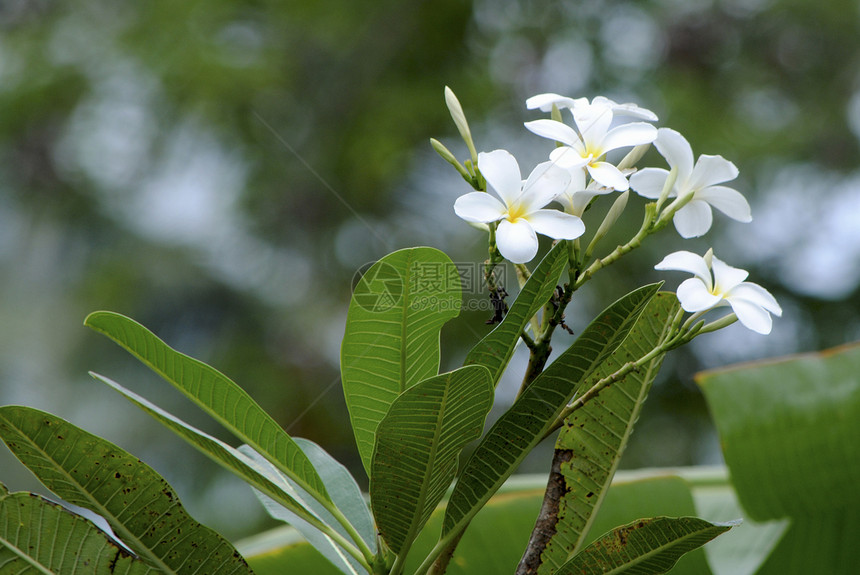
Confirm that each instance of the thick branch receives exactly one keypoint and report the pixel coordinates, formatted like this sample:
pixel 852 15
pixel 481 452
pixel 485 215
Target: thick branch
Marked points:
pixel 547 520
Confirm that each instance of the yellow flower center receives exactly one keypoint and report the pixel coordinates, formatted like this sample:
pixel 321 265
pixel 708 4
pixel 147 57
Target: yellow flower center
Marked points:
pixel 515 213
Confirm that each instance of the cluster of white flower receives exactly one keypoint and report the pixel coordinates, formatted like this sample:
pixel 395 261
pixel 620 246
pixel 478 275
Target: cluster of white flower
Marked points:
pixel 578 171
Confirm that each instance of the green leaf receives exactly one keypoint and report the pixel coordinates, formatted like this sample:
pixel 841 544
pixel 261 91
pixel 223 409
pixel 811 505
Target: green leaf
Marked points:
pixel 38 536
pixel 789 431
pixel 138 504
pixel 589 446
pixel 392 334
pixel 492 545
pixel 322 542
pixel 345 492
pixel 646 546
pixel 418 445
pixel 223 454
pixel 216 394
pixel 495 350
pixel 652 493
pixel 523 426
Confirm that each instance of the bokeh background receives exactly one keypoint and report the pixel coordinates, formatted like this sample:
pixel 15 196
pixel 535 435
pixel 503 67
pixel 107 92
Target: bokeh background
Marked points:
pixel 219 170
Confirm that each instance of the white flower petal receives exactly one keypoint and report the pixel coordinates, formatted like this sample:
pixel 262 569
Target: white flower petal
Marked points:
pixel 677 151
pixel 626 109
pixel 568 158
pixel 710 170
pixel 757 295
pixel 649 182
pixel 517 242
pixel 545 183
pixel 502 173
pixel 694 219
pixel 479 207
pixel 694 296
pixel 752 316
pixel 689 262
pixel 553 130
pixel 556 224
pixel 725 276
pixel 577 181
pixel 577 202
pixel 593 122
pixel 729 201
pixel 608 175
pixel 545 101
pixel 633 134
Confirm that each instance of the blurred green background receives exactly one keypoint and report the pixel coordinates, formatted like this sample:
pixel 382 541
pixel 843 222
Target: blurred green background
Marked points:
pixel 219 170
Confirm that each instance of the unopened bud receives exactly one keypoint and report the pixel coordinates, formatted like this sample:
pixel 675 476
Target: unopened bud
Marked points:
pixel 633 157
pixel 611 217
pixel 459 118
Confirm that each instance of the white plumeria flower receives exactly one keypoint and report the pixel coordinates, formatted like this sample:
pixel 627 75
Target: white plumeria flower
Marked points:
pixel 519 213
pixel 693 219
pixel 576 197
pixel 544 103
pixel 751 303
pixel 594 138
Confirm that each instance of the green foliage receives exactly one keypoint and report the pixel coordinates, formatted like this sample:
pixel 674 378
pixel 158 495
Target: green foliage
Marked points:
pixel 215 393
pixel 38 536
pixel 345 494
pixel 523 426
pixel 220 452
pixel 645 546
pixel 417 448
pixel 788 432
pixel 138 504
pixel 592 440
pixel 391 340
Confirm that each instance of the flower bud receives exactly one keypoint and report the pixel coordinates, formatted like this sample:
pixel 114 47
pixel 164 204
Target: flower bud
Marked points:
pixel 460 121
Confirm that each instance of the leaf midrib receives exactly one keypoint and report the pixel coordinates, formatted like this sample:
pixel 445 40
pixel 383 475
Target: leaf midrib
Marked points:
pixel 662 548
pixel 431 458
pixel 30 560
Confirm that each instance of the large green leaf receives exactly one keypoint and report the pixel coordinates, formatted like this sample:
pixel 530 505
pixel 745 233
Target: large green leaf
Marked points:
pixel 523 426
pixel 494 351
pixel 645 546
pixel 417 448
pixel 789 431
pixel 391 340
pixel 345 492
pixel 216 394
pixel 266 480
pixel 346 496
pixel 38 536
pixel 589 446
pixel 789 434
pixel 138 504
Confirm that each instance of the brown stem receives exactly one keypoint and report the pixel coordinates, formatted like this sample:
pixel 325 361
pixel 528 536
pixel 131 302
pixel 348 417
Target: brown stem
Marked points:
pixel 547 520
